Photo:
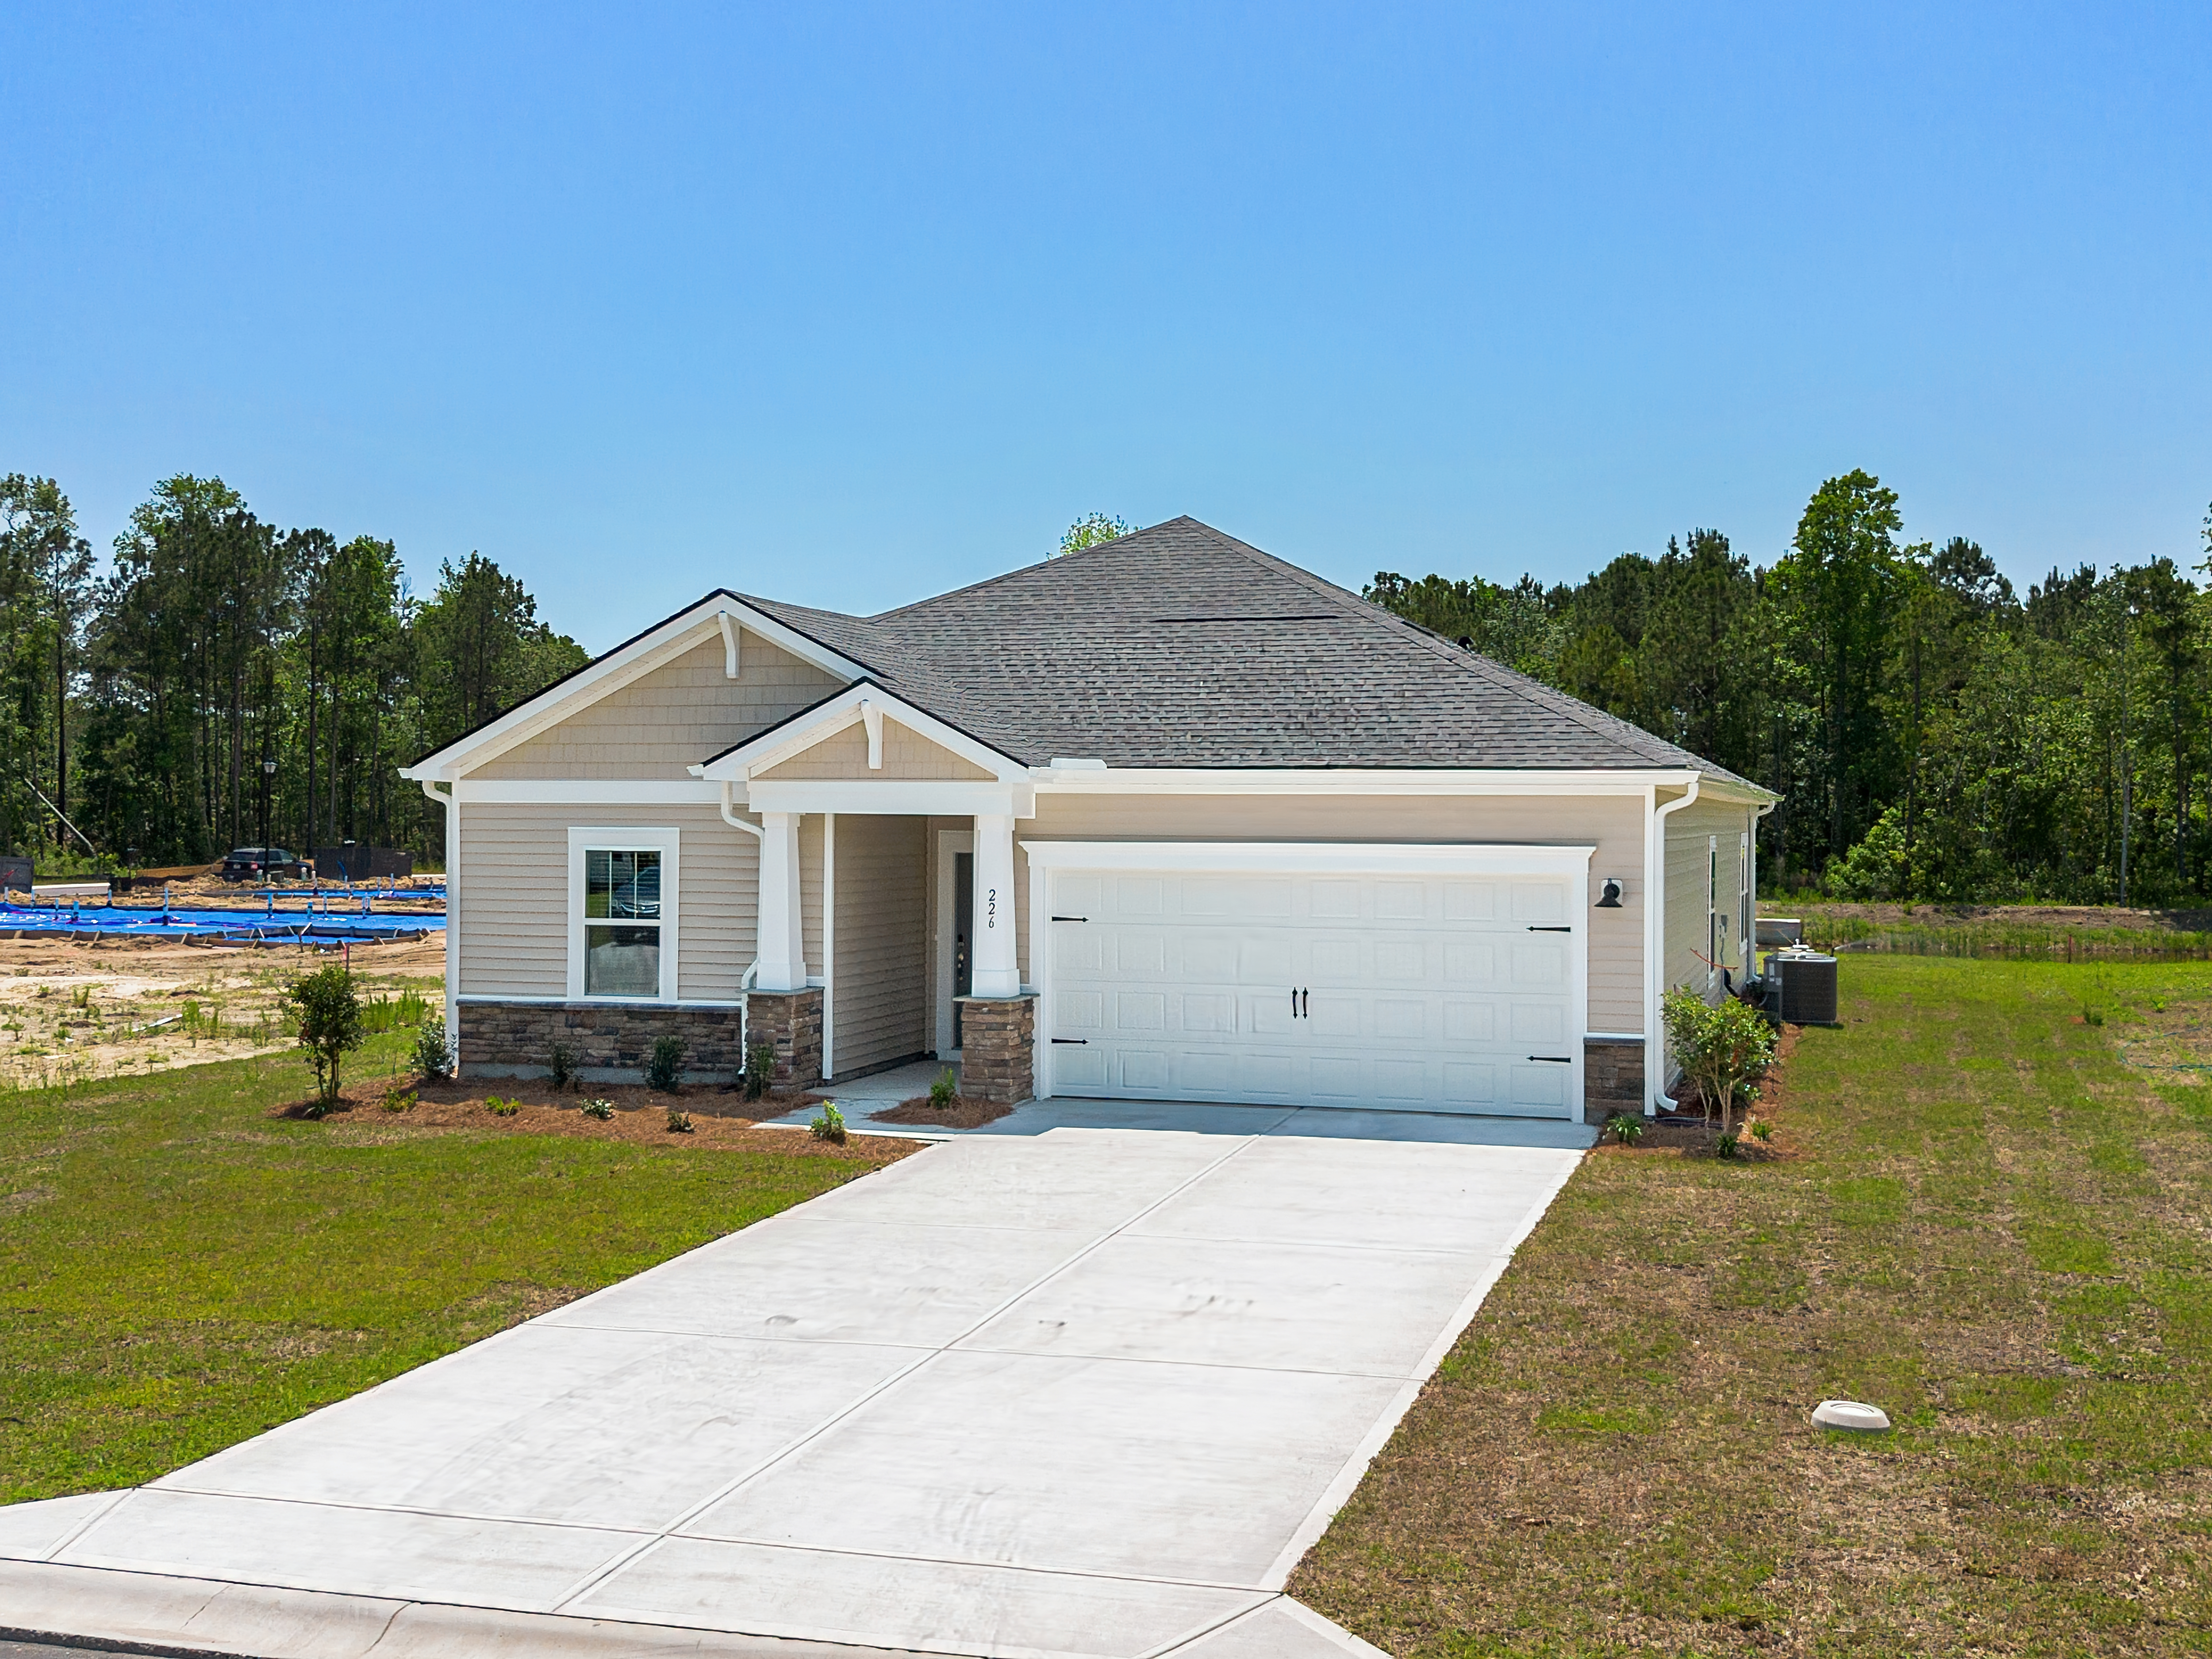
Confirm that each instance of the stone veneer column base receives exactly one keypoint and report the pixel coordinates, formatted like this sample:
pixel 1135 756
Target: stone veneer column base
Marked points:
pixel 998 1049
pixel 1612 1078
pixel 792 1020
pixel 603 1038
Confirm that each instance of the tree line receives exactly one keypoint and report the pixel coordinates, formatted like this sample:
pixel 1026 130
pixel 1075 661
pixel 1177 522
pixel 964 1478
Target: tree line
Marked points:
pixel 1934 735
pixel 229 682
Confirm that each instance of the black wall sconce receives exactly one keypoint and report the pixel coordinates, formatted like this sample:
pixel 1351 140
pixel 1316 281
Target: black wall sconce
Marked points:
pixel 1610 899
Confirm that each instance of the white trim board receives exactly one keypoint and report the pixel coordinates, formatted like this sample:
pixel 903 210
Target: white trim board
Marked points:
pixel 801 732
pixel 911 799
pixel 664 840
pixel 1474 858
pixel 589 792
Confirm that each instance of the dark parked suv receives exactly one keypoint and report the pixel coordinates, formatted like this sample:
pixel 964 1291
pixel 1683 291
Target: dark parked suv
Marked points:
pixel 260 863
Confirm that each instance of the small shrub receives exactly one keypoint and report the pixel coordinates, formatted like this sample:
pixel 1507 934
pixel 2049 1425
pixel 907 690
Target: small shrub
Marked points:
pixel 760 1069
pixel 1724 1050
pixel 2092 1015
pixel 1625 1127
pixel 601 1109
pixel 397 1099
pixel 502 1108
pixel 942 1091
pixel 433 1054
pixel 664 1069
pixel 830 1125
pixel 1761 1128
pixel 679 1123
pixel 329 1010
pixel 1727 1146
pixel 561 1063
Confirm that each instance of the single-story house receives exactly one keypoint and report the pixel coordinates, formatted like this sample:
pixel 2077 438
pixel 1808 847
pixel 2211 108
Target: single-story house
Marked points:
pixel 1165 818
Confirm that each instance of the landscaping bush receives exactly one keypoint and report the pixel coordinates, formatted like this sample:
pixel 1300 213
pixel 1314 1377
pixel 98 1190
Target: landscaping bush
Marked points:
pixel 664 1068
pixel 433 1053
pixel 1625 1127
pixel 679 1123
pixel 830 1125
pixel 602 1109
pixel 397 1099
pixel 561 1063
pixel 329 1011
pixel 942 1091
pixel 499 1108
pixel 1724 1050
pixel 760 1069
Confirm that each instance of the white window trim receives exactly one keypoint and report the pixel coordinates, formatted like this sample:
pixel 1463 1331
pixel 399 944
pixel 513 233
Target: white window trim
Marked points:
pixel 623 838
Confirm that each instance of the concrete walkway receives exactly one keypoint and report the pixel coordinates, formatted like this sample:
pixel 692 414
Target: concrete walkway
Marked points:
pixel 1064 1391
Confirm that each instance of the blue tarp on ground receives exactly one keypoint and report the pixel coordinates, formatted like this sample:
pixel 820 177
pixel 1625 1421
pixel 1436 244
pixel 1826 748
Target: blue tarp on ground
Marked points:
pixel 344 920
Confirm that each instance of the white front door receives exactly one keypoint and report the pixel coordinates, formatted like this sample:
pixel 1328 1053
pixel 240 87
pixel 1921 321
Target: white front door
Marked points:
pixel 1417 992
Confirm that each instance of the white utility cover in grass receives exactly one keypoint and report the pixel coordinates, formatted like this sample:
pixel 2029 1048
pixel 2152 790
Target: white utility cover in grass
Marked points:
pixel 1430 990
pixel 1086 1392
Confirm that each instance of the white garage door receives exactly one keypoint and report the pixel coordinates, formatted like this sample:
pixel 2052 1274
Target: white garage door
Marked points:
pixel 1412 991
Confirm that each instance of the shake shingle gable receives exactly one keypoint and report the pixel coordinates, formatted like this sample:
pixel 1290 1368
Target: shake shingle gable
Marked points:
pixel 1178 645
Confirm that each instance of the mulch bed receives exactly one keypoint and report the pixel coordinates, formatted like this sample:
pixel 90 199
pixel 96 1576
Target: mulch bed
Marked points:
pixel 721 1118
pixel 1686 1134
pixel 962 1114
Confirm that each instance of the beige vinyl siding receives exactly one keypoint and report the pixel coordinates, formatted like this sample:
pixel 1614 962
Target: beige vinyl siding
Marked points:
pixel 809 893
pixel 1614 823
pixel 1689 846
pixel 672 718
pixel 513 911
pixel 908 756
pixel 879 1010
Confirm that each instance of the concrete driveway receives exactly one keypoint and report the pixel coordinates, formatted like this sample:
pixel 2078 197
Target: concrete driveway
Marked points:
pixel 1079 1391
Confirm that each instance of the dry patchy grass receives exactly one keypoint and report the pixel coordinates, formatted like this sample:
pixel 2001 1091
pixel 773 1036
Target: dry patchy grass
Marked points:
pixel 1988 1223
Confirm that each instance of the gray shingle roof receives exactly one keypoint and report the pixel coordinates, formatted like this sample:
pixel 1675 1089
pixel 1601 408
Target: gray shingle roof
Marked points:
pixel 1178 645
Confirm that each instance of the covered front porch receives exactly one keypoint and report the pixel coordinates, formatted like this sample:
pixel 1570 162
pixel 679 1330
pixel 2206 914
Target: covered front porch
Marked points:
pixel 917 952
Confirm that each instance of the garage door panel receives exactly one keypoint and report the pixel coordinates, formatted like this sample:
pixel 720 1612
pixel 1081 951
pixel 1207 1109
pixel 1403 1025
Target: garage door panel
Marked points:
pixel 1140 895
pixel 1402 959
pixel 1419 994
pixel 1078 949
pixel 1210 957
pixel 1470 963
pixel 1401 1019
pixel 1538 965
pixel 1537 1022
pixel 1470 1022
pixel 1075 1068
pixel 1470 1082
pixel 1141 1010
pixel 1209 1011
pixel 1333 901
pixel 1539 901
pixel 1470 900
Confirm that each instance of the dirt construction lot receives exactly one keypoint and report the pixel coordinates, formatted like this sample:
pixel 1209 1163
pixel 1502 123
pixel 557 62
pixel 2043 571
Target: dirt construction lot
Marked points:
pixel 73 1010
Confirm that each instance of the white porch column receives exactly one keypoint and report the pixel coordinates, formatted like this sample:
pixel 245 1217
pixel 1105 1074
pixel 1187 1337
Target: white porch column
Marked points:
pixel 995 968
pixel 782 946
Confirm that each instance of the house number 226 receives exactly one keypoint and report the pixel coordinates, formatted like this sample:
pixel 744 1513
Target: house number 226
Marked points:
pixel 990 906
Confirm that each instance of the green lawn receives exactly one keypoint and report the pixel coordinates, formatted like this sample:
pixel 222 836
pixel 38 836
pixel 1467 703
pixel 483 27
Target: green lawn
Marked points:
pixel 1991 1225
pixel 178 1270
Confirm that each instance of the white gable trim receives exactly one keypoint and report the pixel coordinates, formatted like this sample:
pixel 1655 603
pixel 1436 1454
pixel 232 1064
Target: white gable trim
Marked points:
pixel 654 648
pixel 825 720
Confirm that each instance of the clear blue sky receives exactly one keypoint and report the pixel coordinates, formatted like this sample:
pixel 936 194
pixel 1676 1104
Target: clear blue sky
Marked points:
pixel 854 304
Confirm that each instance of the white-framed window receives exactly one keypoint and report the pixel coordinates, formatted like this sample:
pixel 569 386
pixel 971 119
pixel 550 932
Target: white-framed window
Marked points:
pixel 1716 921
pixel 621 914
pixel 1743 907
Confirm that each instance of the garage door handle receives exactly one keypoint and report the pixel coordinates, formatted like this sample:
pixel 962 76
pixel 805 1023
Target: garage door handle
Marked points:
pixel 1070 918
pixel 1550 930
pixel 1078 1042
pixel 1554 1060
